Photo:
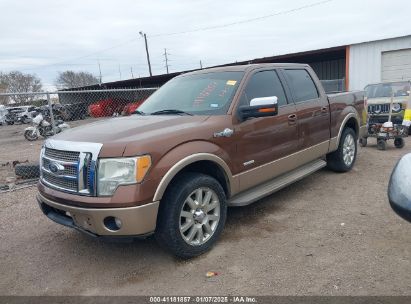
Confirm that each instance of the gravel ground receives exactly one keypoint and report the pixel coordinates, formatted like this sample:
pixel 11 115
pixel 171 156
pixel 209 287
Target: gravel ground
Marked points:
pixel 329 234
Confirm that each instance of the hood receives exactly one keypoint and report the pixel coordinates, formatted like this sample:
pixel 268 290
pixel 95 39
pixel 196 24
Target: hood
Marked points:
pixel 122 130
pixel 384 100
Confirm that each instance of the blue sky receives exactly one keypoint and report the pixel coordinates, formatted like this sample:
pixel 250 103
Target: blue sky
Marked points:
pixel 45 36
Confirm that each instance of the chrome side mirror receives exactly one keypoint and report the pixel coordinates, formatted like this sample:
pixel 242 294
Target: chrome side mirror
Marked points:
pixel 260 107
pixel 399 188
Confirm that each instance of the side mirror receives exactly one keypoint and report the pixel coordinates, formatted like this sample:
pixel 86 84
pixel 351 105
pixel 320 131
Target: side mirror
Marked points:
pixel 399 188
pixel 260 107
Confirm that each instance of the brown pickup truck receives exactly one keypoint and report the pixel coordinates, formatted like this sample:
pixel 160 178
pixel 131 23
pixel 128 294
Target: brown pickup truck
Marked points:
pixel 204 141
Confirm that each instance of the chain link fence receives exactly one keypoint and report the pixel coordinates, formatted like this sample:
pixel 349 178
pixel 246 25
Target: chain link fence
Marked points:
pixel 27 119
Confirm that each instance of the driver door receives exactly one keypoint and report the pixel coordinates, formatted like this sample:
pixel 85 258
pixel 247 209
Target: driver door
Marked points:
pixel 261 141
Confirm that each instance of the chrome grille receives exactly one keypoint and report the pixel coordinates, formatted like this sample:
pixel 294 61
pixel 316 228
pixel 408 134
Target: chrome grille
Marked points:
pixel 70 166
pixel 69 156
pixel 69 169
pixel 63 183
pixel 379 108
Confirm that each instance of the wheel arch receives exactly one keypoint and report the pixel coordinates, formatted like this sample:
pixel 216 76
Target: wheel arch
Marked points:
pixel 205 163
pixel 352 121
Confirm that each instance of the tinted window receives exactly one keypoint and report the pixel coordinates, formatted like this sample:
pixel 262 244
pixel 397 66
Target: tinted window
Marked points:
pixel 265 84
pixel 301 84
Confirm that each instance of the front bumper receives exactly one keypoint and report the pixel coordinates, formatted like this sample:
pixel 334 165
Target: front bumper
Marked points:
pixel 136 221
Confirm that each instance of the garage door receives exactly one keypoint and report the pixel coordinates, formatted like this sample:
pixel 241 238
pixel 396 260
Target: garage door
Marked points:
pixel 396 65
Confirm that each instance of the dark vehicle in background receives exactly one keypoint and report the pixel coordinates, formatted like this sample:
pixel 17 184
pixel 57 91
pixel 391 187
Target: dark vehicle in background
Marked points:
pixel 15 115
pixel 74 111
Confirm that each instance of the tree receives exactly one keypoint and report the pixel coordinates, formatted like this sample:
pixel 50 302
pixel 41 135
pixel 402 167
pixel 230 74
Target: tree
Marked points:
pixel 18 82
pixel 3 89
pixel 71 79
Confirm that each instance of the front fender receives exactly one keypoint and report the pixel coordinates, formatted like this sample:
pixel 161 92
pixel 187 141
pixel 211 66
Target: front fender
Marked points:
pixel 183 155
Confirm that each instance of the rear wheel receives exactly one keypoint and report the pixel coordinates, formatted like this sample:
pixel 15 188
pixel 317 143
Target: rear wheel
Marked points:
pixel 343 159
pixel 399 143
pixel 192 215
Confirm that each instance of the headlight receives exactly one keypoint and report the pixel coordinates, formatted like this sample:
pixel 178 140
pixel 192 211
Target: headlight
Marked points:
pixel 113 172
pixel 396 107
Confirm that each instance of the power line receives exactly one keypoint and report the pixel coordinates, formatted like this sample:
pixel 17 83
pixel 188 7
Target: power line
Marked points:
pixel 243 21
pixel 184 32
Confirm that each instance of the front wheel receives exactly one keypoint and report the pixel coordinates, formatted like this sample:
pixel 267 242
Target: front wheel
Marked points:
pixel 363 141
pixel 192 215
pixel 30 135
pixel 343 159
pixel 381 144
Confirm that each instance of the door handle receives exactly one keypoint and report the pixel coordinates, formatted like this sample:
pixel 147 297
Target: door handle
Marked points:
pixel 324 109
pixel 292 118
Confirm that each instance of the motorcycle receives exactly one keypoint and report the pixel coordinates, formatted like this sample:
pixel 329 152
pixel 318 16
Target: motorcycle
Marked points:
pixel 42 127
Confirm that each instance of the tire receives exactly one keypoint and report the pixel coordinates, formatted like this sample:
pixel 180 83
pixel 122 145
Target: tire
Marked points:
pixel 343 159
pixel 27 170
pixel 381 144
pixel 363 141
pixel 399 143
pixel 30 136
pixel 10 122
pixel 174 229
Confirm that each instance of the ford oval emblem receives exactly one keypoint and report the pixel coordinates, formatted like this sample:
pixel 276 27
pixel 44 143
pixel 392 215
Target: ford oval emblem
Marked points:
pixel 56 168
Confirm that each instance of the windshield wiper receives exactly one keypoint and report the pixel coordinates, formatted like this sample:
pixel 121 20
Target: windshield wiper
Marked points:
pixel 171 111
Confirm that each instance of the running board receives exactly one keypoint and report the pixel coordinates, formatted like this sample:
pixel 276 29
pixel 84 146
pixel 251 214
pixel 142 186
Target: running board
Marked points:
pixel 258 192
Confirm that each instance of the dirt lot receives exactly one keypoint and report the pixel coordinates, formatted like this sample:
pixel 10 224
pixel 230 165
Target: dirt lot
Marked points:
pixel 329 234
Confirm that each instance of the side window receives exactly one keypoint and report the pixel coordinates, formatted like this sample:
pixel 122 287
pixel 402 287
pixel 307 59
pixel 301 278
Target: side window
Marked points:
pixel 301 84
pixel 264 84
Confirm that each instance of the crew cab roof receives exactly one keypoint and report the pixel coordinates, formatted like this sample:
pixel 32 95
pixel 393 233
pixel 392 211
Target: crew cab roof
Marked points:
pixel 247 67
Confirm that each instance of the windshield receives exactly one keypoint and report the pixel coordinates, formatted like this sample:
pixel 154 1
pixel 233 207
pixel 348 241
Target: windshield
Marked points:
pixel 198 94
pixel 395 89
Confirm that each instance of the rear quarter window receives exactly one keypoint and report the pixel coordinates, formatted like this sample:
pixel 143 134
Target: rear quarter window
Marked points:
pixel 301 85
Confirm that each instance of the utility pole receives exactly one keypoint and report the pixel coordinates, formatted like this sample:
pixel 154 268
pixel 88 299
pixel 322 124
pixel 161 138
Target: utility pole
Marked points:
pixel 166 58
pixel 201 65
pixel 131 69
pixel 119 70
pixel 148 56
pixel 99 69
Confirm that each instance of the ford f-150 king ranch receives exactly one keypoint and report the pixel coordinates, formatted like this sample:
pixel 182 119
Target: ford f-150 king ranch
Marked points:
pixel 205 140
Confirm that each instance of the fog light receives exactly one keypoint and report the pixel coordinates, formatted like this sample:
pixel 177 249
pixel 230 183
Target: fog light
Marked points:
pixel 112 223
pixel 118 222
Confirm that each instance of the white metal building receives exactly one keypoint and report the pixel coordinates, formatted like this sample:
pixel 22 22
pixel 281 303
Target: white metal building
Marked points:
pixel 377 61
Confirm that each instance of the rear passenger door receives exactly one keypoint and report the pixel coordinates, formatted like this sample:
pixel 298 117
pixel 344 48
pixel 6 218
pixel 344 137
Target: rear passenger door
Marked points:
pixel 313 113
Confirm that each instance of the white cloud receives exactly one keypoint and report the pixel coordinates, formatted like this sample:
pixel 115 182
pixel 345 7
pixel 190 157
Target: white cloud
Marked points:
pixel 34 35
